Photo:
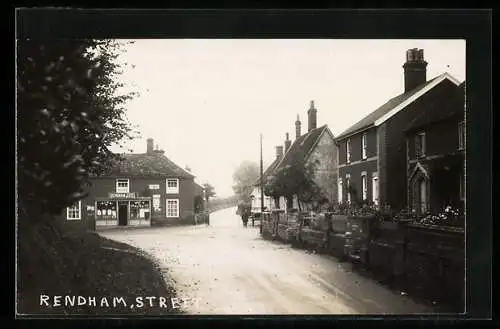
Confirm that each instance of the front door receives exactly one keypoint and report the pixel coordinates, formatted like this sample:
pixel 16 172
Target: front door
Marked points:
pixel 122 213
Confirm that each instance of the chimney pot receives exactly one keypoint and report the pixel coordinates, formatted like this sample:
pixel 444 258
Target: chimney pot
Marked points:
pixel 288 143
pixel 279 151
pixel 149 147
pixel 415 69
pixel 297 128
pixel 311 117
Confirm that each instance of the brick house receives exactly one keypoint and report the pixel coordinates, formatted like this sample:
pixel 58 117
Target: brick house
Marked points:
pixel 317 146
pixel 140 189
pixel 372 152
pixel 435 148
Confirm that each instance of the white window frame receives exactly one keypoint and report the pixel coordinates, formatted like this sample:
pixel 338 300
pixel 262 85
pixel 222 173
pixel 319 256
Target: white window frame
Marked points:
pixel 68 209
pixel 364 186
pixel 122 189
pixel 461 135
pixel 348 185
pixel 172 190
pixel 158 198
pixel 167 208
pixel 423 150
pixel 375 187
pixel 340 190
pixel 348 151
pixel 364 138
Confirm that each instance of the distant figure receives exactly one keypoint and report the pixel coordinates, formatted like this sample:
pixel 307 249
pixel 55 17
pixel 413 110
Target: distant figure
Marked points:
pixel 244 211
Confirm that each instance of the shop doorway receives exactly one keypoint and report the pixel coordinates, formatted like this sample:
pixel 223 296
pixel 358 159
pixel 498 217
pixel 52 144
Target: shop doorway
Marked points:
pixel 123 213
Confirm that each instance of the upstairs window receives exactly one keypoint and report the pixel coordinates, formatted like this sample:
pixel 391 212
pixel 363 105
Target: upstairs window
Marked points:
pixel 420 145
pixel 363 146
pixel 461 135
pixel 348 151
pixel 122 186
pixel 172 186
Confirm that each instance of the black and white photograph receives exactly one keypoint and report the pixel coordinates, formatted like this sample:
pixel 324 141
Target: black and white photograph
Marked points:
pixel 241 176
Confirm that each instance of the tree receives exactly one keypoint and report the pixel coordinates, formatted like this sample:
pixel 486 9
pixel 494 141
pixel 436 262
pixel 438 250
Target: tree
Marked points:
pixel 296 179
pixel 69 112
pixel 208 191
pixel 244 178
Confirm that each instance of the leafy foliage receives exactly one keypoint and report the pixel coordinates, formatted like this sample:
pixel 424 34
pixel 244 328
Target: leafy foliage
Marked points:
pixel 198 204
pixel 69 112
pixel 208 191
pixel 244 178
pixel 296 178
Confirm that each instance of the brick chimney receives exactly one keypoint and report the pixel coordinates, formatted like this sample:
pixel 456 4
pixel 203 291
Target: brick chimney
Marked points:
pixel 150 147
pixel 297 127
pixel 415 69
pixel 288 143
pixel 279 152
pixel 311 113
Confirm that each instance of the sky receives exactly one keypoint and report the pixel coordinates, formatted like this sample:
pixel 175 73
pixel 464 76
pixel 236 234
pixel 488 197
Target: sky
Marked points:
pixel 205 102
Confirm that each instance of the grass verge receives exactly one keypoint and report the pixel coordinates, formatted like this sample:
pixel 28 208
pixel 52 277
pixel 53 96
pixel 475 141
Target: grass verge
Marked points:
pixel 53 262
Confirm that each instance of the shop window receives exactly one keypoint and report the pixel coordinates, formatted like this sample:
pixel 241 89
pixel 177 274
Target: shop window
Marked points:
pixel 139 209
pixel 172 185
pixel 74 212
pixel 172 208
pixel 105 210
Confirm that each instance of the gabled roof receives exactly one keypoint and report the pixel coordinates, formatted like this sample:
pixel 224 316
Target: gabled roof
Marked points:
pixel 394 105
pixel 268 171
pixel 301 147
pixel 299 150
pixel 144 164
pixel 446 109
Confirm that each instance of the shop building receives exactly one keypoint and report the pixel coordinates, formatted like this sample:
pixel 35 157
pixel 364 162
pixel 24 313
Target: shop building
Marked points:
pixel 140 190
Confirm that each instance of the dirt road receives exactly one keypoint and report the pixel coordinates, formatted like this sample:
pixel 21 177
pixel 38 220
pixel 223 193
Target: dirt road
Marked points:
pixel 225 268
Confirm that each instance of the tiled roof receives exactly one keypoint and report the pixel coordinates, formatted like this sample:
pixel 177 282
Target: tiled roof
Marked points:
pixel 301 147
pixel 268 171
pixel 438 111
pixel 298 150
pixel 370 119
pixel 154 165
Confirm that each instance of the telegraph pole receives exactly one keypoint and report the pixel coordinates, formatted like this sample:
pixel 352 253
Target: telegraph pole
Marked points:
pixel 261 185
